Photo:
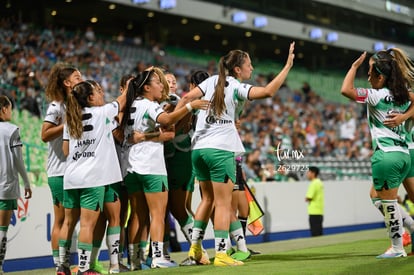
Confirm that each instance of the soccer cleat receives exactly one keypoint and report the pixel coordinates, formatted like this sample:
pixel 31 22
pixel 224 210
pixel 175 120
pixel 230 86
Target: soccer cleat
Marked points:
pixel 230 251
pixel 222 259
pixel 168 257
pixel 162 262
pixel 391 253
pixel 74 269
pixel 119 269
pixel 241 256
pixel 135 266
pixel 188 262
pixel 123 268
pixel 63 270
pixel 253 252
pixel 88 272
pixel 97 266
pixel 195 252
pixel 205 259
pixel 406 237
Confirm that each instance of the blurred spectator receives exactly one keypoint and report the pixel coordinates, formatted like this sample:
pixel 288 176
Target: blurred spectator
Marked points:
pixel 252 166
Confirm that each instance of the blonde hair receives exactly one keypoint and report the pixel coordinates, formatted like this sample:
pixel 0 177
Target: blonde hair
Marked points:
pixel 165 91
pixel 76 101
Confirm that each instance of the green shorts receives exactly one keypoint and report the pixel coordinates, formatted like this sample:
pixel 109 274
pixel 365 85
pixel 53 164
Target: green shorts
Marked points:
pixel 8 204
pixel 56 188
pixel 179 171
pixel 88 198
pixel 213 164
pixel 411 171
pixel 389 169
pixel 145 183
pixel 112 192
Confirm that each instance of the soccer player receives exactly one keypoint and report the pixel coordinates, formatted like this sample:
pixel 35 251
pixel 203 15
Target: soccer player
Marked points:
pixel 90 149
pixel 61 80
pixel 147 176
pixel 391 75
pixel 216 141
pixel 11 166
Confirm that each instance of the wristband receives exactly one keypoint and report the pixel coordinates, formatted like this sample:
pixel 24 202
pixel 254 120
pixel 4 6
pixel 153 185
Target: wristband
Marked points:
pixel 189 107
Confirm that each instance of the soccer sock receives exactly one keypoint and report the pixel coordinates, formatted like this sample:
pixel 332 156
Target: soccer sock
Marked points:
pixel 3 245
pixel 236 232
pixel 187 227
pixel 64 252
pixel 84 256
pixel 243 221
pixel 220 240
pixel 55 253
pixel 166 245
pixel 96 245
pixel 157 249
pixel 133 250
pixel 112 241
pixel 377 203
pixel 393 222
pixel 142 251
pixel 198 232
pixel 229 244
pixel 407 219
pixel 121 250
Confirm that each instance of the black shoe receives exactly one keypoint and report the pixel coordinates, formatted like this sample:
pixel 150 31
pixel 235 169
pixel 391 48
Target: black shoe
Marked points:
pixel 252 252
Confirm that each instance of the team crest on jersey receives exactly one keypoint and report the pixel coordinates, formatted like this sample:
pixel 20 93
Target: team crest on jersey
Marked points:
pixel 362 92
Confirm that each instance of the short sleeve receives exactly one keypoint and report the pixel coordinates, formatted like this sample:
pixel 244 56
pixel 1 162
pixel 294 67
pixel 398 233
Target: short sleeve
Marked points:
pixel 154 111
pixel 54 114
pixel 15 139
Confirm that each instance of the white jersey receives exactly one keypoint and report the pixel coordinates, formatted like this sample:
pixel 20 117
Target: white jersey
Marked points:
pixel 9 178
pixel 145 158
pixel 380 104
pixel 56 159
pixel 92 159
pixel 220 133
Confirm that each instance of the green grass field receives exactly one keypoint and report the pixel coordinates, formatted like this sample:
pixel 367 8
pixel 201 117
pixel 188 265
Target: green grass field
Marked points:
pixel 348 253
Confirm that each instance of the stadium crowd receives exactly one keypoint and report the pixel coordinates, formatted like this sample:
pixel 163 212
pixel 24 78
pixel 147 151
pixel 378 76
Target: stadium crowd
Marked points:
pixel 298 120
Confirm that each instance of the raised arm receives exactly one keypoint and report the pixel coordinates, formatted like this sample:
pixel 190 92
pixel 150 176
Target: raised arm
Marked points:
pixel 348 90
pixel 273 86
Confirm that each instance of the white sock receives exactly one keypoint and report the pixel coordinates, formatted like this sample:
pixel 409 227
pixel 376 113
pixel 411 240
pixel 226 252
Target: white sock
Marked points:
pixel 84 257
pixel 157 249
pixel 112 241
pixel 393 222
pixel 187 230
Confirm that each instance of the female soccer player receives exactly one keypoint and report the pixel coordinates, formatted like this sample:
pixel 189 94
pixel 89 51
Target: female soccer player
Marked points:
pixel 90 149
pixel 391 76
pixel 11 166
pixel 61 80
pixel 216 141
